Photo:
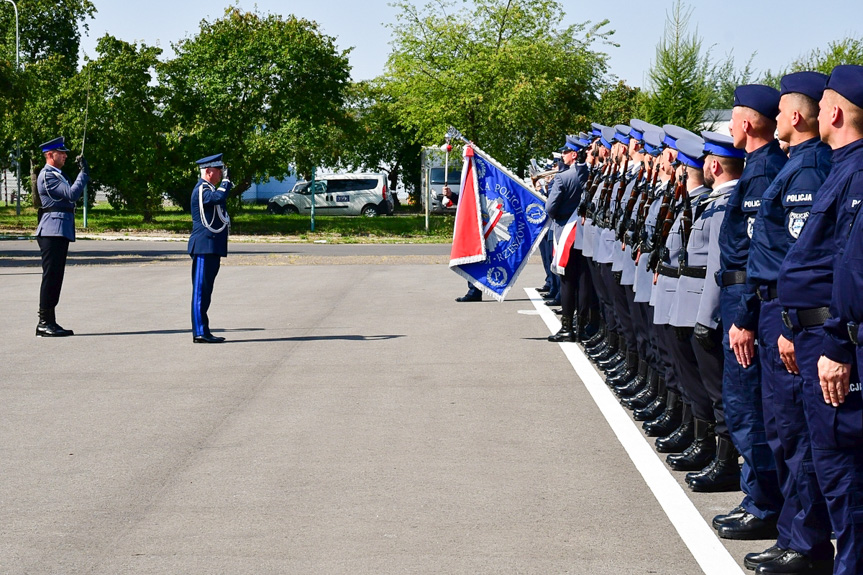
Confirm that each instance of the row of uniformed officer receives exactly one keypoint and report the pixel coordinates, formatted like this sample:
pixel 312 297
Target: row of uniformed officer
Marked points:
pixel 712 329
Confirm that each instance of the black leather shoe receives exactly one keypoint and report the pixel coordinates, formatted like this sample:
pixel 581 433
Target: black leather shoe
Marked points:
pixel 749 527
pixel 792 562
pixel 469 298
pixel 207 338
pixel 668 421
pixel 753 560
pixel 679 440
pixel 700 453
pixel 723 473
pixel 733 515
pixel 652 411
pixel 216 337
pixel 612 363
pixel 552 302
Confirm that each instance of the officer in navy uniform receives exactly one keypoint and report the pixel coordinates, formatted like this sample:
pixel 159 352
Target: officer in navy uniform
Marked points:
pixel 822 269
pixel 56 229
pixel 562 202
pixel 753 123
pixel 803 523
pixel 697 305
pixel 208 243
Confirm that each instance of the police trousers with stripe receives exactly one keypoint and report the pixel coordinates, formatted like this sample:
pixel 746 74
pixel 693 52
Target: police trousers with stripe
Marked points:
pixel 205 267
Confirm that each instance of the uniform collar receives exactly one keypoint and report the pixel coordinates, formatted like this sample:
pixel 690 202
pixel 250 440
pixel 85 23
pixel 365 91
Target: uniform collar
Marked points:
pixel 766 150
pixel 50 167
pixel 803 146
pixel 844 152
pixel 700 190
pixel 723 189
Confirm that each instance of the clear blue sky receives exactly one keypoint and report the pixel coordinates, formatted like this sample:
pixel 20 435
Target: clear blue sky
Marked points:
pixel 772 28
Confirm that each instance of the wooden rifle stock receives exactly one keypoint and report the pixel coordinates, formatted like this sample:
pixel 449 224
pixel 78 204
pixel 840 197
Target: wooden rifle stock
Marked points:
pixel 623 225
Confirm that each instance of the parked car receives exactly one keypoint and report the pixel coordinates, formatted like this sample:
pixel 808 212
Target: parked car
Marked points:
pixel 337 194
pixel 432 179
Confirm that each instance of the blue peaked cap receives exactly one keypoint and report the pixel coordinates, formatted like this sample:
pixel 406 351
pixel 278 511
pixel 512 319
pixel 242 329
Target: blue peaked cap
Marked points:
pixel 607 137
pixel 674 133
pixel 639 127
pixel 807 83
pixel 763 99
pixel 653 142
pixel 690 152
pixel 214 161
pixel 847 80
pixel 572 143
pixel 720 145
pixel 621 133
pixel 584 139
pixel 596 130
pixel 58 144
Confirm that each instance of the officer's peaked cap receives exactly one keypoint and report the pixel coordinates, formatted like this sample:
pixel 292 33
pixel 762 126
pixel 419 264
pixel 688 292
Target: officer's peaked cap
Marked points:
pixel 572 143
pixel 653 141
pixel 214 161
pixel 807 83
pixel 621 133
pixel 58 144
pixel 674 133
pixel 847 79
pixel 607 137
pixel 690 151
pixel 763 99
pixel 720 145
pixel 596 129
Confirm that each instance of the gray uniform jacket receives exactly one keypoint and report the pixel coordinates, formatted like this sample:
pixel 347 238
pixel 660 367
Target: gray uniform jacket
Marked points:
pixel 621 259
pixel 591 231
pixel 56 194
pixel 584 174
pixel 605 246
pixel 643 285
pixel 703 250
pixel 563 199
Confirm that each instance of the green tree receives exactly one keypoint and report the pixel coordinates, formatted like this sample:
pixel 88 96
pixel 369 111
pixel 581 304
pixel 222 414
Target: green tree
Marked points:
pixel 680 86
pixel 267 92
pixel 501 71
pixel 617 104
pixel 848 50
pixel 126 142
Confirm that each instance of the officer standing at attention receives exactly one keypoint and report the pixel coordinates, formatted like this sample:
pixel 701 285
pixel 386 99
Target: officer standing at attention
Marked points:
pixel 208 242
pixel 803 523
pixel 56 229
pixel 753 123
pixel 834 409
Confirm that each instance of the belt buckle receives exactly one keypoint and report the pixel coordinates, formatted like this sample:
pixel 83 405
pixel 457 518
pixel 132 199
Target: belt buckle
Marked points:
pixel 852 332
pixel 786 319
pixel 759 293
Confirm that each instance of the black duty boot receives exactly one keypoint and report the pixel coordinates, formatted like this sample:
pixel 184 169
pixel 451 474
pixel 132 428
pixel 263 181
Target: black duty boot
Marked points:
pixel 606 349
pixel 655 408
pixel 669 420
pixel 794 563
pixel 636 380
pixel 749 527
pixel 629 371
pixel 723 473
pixel 597 338
pixel 647 392
pixel 700 453
pixel 615 361
pixel 565 333
pixel 681 438
pixel 730 517
pixel 47 326
pixel 752 560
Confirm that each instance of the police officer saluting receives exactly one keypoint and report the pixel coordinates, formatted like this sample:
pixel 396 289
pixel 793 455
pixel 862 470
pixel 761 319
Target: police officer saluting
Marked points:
pixel 208 242
pixel 55 230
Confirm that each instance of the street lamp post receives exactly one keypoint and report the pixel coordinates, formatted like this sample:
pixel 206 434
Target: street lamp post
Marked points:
pixel 17 144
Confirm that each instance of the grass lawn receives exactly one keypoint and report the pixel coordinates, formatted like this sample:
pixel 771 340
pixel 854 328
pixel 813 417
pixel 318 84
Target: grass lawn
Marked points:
pixel 253 221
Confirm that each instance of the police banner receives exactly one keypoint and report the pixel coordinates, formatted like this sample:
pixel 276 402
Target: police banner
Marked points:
pixel 499 222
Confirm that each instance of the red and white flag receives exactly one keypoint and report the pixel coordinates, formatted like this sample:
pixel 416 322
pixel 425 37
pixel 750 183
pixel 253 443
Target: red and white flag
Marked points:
pixel 468 242
pixel 563 245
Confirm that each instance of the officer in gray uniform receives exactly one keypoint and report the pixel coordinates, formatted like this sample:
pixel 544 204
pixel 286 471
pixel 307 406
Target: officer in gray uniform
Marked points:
pixel 56 229
pixel 208 243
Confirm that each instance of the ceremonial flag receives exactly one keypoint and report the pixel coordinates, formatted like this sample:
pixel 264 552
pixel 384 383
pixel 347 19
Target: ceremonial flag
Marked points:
pixel 499 222
pixel 563 245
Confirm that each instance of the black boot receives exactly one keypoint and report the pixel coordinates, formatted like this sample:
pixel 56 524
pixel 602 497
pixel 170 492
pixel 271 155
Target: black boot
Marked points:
pixel 596 339
pixel 47 326
pixel 681 438
pixel 669 420
pixel 565 333
pixel 629 371
pixel 723 473
pixel 636 381
pixel 655 408
pixel 615 361
pixel 700 453
pixel 606 349
pixel 647 393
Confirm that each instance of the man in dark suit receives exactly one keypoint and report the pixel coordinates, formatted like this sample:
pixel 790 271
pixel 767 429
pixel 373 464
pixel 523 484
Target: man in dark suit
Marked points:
pixel 208 242
pixel 56 229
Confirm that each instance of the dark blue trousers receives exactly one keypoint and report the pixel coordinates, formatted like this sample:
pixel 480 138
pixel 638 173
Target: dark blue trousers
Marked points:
pixel 837 450
pixel 744 415
pixel 803 524
pixel 205 267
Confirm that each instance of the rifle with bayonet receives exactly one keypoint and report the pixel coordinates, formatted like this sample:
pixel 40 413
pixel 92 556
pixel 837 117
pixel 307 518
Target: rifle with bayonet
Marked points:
pixel 664 223
pixel 639 233
pixel 626 213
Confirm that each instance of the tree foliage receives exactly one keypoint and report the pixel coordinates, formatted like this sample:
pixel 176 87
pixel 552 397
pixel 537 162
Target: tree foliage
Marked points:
pixel 680 87
pixel 617 104
pixel 266 91
pixel 502 71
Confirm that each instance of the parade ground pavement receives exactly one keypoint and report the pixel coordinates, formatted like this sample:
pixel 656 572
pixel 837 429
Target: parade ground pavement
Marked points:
pixel 356 421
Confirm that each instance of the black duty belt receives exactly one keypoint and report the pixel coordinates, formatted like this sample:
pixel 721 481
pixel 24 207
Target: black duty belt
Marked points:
pixel 668 271
pixel 699 272
pixel 806 318
pixel 852 332
pixel 733 278
pixel 768 292
pixel 43 211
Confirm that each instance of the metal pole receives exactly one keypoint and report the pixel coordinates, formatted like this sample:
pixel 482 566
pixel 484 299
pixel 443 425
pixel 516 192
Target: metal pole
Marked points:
pixel 84 141
pixel 17 143
pixel 427 192
pixel 312 184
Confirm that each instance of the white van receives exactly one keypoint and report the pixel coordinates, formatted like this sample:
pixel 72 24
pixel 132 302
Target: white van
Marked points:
pixel 337 194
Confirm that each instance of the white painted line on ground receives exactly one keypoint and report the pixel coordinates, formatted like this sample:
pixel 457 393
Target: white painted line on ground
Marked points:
pixel 698 536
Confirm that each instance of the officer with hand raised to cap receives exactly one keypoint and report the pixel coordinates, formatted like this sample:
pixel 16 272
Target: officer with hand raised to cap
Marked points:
pixel 208 242
pixel 56 229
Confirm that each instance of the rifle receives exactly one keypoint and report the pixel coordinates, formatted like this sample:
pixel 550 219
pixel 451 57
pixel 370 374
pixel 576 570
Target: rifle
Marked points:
pixel 621 189
pixel 587 208
pixel 639 234
pixel 685 224
pixel 665 228
pixel 626 213
pixel 605 194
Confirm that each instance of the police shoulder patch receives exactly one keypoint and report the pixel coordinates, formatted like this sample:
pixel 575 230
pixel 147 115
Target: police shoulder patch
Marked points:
pixel 796 221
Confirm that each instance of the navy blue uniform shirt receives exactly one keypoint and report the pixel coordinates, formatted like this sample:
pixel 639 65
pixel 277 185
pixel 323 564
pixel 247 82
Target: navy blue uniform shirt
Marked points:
pixel 847 303
pixel 210 236
pixel 762 166
pixel 806 275
pixel 785 207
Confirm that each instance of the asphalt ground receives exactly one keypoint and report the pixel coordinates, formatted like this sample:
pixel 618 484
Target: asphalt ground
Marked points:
pixel 357 420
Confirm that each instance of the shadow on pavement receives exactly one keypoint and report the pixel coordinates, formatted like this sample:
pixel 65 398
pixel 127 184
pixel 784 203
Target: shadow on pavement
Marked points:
pixel 164 332
pixel 318 338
